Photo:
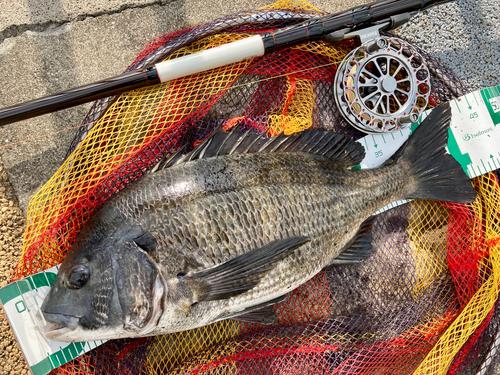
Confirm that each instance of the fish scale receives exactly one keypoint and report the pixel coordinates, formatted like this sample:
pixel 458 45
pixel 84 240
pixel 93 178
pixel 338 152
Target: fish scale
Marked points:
pixel 210 236
pixel 327 212
pixel 292 202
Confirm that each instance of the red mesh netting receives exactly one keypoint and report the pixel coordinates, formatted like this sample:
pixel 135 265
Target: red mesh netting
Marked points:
pixel 424 302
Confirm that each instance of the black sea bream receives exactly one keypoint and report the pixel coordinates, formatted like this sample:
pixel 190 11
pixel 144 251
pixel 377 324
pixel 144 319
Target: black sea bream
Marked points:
pixel 227 230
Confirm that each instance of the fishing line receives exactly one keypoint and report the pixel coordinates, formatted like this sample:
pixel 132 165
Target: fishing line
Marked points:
pixel 284 75
pixel 45 135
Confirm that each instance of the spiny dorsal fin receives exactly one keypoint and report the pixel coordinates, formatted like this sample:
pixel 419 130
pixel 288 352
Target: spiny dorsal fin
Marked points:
pixel 331 145
pixel 169 160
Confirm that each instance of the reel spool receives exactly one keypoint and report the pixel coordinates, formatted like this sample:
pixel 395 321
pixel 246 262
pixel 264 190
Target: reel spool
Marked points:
pixel 382 86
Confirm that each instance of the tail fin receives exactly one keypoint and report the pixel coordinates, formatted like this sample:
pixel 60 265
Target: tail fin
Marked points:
pixel 438 175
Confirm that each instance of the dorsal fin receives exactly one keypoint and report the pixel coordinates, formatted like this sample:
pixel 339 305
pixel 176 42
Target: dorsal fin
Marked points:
pixel 331 145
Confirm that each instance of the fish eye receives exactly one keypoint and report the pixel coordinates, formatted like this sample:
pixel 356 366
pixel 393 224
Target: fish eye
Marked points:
pixel 78 276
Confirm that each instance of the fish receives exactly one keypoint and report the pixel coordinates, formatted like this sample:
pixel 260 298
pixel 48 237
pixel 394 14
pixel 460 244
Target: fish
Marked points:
pixel 228 229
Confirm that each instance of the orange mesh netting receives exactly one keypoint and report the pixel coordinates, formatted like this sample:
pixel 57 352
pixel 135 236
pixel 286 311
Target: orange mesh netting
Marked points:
pixel 425 302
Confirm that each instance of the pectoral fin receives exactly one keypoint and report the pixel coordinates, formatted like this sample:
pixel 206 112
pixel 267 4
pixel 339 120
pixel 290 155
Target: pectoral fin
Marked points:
pixel 242 273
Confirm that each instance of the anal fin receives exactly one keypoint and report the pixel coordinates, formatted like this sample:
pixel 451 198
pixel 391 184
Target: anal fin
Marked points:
pixel 359 248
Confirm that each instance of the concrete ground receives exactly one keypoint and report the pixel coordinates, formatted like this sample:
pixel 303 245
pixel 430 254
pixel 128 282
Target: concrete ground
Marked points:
pixel 47 46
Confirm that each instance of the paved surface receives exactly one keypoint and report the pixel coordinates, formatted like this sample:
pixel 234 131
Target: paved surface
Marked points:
pixel 53 56
pixel 51 45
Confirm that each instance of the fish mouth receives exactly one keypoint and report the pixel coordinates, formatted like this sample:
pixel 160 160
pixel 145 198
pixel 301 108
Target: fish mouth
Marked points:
pixel 61 322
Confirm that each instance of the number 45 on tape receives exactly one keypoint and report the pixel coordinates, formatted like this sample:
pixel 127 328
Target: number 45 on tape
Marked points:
pixel 474 140
pixel 474 136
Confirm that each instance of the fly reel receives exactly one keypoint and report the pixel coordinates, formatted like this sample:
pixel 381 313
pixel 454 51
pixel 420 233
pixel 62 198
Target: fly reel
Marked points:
pixel 382 86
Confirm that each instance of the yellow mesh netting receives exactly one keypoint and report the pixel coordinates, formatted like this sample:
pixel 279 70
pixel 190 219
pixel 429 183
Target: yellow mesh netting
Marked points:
pixel 428 224
pixel 295 113
pixel 140 126
pixel 170 350
pixel 485 244
pixel 298 5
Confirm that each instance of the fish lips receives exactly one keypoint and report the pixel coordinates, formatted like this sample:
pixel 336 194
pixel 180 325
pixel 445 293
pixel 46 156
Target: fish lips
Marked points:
pixel 61 324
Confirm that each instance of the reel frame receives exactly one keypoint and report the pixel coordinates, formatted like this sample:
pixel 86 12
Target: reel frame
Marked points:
pixel 383 85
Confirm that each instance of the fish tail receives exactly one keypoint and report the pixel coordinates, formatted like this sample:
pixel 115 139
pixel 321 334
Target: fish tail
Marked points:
pixel 437 175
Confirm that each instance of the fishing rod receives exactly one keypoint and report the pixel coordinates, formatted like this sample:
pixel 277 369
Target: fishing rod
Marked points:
pixel 387 14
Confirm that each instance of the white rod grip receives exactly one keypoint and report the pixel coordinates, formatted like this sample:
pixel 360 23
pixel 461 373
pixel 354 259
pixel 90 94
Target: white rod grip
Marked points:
pixel 211 58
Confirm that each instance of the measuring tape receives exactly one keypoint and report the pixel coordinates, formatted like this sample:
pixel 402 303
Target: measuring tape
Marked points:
pixel 474 136
pixel 474 141
pixel 21 301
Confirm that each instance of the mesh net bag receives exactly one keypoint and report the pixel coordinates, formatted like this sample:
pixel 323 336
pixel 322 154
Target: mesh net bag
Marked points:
pixel 425 302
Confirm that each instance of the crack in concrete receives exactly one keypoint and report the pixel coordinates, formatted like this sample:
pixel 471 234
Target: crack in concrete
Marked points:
pixel 16 30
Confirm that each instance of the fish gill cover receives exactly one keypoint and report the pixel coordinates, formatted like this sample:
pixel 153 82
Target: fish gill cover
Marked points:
pixel 425 302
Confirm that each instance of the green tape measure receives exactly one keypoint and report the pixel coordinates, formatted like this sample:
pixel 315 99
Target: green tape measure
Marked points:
pixel 474 136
